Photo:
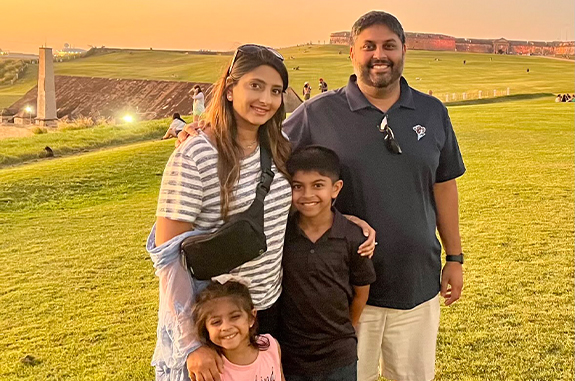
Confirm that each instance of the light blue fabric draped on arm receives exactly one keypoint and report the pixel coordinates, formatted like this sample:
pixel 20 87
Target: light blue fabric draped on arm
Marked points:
pixel 175 333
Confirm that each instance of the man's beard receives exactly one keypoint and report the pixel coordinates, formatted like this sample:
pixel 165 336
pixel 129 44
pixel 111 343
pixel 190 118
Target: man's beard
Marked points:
pixel 380 81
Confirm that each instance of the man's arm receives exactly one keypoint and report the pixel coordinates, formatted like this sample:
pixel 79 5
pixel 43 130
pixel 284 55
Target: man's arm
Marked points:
pixel 446 201
pixel 360 295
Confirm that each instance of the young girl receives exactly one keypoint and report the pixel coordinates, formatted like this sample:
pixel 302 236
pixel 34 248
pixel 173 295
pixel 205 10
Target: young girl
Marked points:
pixel 225 319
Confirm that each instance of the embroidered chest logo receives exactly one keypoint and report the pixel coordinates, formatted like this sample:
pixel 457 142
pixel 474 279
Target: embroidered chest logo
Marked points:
pixel 420 131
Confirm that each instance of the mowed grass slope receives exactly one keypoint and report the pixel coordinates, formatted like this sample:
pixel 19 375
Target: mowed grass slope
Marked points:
pixel 67 142
pixel 441 72
pixel 79 294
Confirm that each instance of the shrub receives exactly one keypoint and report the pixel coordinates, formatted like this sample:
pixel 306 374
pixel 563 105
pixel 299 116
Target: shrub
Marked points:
pixel 39 130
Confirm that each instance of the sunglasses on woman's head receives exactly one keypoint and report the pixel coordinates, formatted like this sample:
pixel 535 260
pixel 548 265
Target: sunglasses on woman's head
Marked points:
pixel 390 142
pixel 253 49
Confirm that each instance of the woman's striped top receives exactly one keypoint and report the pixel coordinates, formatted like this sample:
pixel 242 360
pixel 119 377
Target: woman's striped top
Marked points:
pixel 190 192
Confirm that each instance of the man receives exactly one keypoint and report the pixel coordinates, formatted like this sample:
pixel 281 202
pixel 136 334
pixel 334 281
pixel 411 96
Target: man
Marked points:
pixel 400 159
pixel 322 85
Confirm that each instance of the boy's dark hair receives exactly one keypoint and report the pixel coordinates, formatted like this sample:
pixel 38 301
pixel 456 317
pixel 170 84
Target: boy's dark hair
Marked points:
pixel 240 294
pixel 377 18
pixel 315 159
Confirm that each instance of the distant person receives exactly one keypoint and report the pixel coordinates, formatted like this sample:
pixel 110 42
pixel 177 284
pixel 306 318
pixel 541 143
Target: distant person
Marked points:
pixel 559 98
pixel 322 85
pixel 430 92
pixel 225 320
pixel 306 91
pixel 177 125
pixel 321 304
pixel 528 70
pixel 565 98
pixel 199 100
pixel 464 62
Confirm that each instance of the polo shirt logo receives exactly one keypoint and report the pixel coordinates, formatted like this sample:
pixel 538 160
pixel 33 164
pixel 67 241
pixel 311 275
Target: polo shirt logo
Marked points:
pixel 420 131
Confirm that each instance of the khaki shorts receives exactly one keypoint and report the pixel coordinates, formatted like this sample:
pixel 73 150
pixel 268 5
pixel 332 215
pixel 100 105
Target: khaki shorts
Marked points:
pixel 398 344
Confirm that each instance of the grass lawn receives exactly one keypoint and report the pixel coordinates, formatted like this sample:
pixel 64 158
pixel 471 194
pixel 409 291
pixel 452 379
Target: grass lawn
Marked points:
pixel 18 150
pixel 485 72
pixel 78 293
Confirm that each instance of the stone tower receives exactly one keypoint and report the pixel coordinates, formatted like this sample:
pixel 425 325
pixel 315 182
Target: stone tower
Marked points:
pixel 46 107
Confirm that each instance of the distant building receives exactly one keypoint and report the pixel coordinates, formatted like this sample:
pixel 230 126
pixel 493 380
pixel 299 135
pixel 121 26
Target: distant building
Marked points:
pixel 429 41
pixel 68 51
pixel 441 42
pixel 3 53
pixel 340 38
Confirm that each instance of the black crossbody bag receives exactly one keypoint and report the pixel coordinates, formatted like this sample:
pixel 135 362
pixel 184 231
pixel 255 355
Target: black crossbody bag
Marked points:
pixel 238 241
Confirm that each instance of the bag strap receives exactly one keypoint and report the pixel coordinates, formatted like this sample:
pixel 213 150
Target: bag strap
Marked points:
pixel 257 207
pixel 267 174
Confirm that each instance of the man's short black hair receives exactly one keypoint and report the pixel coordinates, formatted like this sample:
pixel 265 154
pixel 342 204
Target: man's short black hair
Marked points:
pixel 315 159
pixel 377 18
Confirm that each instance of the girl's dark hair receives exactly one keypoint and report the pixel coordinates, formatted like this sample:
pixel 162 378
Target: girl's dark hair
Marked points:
pixel 220 115
pixel 240 295
pixel 315 159
pixel 177 116
pixel 198 87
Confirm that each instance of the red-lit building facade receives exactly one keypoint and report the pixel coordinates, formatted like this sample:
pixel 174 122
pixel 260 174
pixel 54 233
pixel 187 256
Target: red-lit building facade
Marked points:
pixel 441 42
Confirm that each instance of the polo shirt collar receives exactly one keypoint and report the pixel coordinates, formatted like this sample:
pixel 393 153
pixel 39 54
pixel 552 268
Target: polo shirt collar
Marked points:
pixel 338 228
pixel 358 101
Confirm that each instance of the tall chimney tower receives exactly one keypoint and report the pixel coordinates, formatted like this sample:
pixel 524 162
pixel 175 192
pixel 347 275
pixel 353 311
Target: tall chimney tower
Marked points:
pixel 46 107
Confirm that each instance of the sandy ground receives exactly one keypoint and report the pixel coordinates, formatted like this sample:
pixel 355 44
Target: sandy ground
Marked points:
pixel 14 132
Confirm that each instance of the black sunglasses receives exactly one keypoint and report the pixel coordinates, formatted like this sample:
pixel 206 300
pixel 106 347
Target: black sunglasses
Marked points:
pixel 390 142
pixel 253 49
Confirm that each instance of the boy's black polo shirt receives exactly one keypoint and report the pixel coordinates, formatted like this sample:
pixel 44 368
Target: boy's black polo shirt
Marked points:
pixel 316 331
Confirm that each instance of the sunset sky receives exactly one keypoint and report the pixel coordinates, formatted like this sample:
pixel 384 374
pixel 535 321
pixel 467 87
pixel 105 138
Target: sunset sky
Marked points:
pixel 223 24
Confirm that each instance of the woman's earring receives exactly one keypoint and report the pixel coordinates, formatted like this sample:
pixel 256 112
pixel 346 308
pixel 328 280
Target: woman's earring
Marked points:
pixel 229 97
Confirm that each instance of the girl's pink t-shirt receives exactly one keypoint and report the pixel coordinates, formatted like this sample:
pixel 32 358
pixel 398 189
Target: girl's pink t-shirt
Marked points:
pixel 266 367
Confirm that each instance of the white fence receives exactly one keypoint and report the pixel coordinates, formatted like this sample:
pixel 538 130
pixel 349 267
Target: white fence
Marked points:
pixel 472 94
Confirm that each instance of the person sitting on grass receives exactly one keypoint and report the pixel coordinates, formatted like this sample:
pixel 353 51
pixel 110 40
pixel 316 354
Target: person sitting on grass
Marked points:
pixel 225 320
pixel 177 125
pixel 326 281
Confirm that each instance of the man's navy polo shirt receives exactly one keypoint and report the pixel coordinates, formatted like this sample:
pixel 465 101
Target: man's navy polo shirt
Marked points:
pixel 393 193
pixel 316 332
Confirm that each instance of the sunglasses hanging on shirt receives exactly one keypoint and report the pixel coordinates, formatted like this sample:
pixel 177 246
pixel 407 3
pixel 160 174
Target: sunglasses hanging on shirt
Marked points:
pixel 390 142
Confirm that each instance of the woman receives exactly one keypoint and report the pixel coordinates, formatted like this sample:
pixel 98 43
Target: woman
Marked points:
pixel 213 176
pixel 306 91
pixel 177 125
pixel 199 99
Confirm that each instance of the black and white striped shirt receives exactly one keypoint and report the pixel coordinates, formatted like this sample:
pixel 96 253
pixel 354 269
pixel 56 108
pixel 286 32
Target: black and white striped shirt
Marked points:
pixel 190 192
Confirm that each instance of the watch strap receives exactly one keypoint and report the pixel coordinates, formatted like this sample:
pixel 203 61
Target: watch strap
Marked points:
pixel 454 258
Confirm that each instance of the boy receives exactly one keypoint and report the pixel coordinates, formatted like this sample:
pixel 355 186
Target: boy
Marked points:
pixel 325 282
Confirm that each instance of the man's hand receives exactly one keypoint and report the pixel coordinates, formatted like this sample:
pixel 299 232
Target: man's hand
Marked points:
pixel 204 364
pixel 367 248
pixel 451 282
pixel 191 129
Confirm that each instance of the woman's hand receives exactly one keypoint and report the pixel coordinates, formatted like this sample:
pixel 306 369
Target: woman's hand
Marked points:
pixel 204 364
pixel 192 130
pixel 367 248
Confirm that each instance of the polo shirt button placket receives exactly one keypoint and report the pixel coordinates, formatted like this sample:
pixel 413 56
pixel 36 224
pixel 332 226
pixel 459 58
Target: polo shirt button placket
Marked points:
pixel 312 251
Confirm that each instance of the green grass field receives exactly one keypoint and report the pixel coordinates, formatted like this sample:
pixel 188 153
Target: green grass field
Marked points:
pixel 67 142
pixel 77 290
pixel 485 72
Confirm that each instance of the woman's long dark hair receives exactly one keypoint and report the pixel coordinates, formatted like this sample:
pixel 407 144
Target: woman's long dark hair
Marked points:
pixel 240 294
pixel 220 115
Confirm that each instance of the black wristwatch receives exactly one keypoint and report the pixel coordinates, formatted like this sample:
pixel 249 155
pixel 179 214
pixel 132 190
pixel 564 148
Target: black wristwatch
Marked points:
pixel 454 258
